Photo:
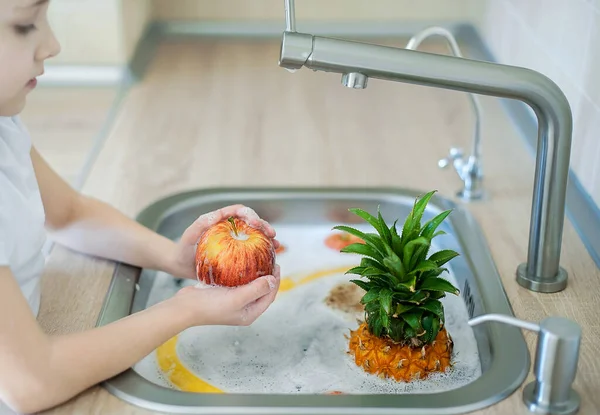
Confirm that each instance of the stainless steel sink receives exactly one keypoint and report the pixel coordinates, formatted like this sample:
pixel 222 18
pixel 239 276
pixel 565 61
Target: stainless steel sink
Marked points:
pixel 503 354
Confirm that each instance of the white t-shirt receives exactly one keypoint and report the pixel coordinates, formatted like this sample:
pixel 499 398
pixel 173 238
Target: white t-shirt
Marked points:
pixel 22 216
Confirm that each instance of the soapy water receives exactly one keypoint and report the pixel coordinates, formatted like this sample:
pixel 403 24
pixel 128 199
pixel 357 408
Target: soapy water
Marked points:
pixel 298 345
pixel 148 369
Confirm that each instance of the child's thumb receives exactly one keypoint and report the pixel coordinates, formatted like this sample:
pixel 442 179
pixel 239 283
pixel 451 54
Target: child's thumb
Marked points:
pixel 257 288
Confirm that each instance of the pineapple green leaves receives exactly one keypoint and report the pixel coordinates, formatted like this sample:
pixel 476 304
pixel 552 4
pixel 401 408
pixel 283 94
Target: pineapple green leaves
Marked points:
pixel 403 286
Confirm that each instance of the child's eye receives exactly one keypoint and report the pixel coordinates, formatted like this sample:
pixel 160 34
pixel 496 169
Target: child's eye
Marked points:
pixel 24 29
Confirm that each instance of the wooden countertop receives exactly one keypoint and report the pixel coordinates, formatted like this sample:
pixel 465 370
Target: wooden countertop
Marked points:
pixel 222 113
pixel 65 141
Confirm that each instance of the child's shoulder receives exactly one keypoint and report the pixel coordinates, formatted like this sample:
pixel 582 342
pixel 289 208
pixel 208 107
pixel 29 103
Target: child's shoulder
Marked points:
pixel 20 203
pixel 12 130
pixel 16 169
pixel 15 144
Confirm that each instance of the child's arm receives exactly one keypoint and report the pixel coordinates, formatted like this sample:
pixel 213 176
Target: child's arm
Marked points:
pixel 93 227
pixel 39 371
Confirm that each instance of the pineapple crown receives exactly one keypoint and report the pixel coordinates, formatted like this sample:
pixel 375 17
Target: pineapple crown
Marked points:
pixel 403 286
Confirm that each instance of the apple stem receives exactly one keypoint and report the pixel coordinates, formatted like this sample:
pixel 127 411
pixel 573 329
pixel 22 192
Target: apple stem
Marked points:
pixel 233 225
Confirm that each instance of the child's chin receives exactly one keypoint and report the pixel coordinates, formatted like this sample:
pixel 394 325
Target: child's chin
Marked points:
pixel 13 107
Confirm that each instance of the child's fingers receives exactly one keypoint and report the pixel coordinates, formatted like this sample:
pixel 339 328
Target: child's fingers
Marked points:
pixel 197 228
pixel 267 228
pixel 243 212
pixel 256 308
pixel 276 243
pixel 270 297
pixel 252 218
pixel 254 290
pixel 232 210
pixel 277 273
pixel 205 221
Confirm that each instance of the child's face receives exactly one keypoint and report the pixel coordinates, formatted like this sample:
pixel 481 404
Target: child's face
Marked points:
pixel 26 41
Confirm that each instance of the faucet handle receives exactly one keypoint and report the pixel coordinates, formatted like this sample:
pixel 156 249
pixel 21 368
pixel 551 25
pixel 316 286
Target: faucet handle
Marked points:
pixel 469 171
pixel 456 153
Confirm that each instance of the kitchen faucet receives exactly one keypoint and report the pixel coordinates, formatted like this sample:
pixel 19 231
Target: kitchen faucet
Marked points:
pixel 469 171
pixel 357 62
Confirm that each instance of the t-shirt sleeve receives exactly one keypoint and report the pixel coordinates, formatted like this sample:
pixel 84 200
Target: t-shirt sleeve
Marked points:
pixel 6 241
pixel 4 254
pixel 14 141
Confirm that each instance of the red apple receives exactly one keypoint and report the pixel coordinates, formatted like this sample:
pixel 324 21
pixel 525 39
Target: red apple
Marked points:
pixel 232 253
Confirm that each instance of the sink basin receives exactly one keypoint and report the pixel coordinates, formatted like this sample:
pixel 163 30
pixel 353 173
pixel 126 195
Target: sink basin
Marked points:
pixel 499 350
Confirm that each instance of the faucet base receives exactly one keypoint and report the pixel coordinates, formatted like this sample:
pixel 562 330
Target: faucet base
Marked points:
pixel 470 195
pixel 558 283
pixel 570 407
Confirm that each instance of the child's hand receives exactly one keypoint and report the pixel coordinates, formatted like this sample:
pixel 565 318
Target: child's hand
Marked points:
pixel 186 248
pixel 238 306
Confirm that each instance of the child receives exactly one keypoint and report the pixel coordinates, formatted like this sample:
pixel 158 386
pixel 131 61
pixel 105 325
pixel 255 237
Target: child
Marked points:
pixel 37 370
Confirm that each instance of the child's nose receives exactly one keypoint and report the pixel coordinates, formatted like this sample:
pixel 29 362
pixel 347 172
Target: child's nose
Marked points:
pixel 50 48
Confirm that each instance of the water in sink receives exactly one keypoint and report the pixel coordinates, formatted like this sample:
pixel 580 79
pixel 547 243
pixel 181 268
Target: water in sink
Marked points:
pixel 298 344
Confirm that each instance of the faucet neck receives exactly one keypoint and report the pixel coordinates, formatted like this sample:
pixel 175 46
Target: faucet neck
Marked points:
pixel 542 271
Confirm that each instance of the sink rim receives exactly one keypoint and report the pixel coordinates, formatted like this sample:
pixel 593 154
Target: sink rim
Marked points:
pixel 504 376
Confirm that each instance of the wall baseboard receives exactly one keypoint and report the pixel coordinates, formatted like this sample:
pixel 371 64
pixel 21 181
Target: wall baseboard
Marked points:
pixel 115 75
pixel 580 208
pixel 272 29
pixel 83 75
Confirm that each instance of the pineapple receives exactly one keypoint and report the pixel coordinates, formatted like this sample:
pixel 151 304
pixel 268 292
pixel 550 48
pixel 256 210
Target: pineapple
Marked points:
pixel 403 336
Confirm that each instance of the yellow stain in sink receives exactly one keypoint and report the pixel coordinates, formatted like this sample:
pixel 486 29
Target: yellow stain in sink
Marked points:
pixel 182 378
pixel 287 284
pixel 176 372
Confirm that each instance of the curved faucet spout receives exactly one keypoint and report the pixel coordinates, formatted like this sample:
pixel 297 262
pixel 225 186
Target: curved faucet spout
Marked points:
pixel 542 271
pixel 469 171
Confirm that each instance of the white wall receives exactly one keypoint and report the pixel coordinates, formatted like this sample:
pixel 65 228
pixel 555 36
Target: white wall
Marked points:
pixel 98 32
pixel 136 14
pixel 106 32
pixel 89 31
pixel 561 39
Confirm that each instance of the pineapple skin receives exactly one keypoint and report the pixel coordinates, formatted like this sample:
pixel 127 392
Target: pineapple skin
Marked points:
pixel 388 359
pixel 403 335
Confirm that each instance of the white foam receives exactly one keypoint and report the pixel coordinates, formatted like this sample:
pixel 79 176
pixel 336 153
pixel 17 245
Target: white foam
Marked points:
pixel 298 344
pixel 241 236
pixel 248 213
pixel 211 218
pixel 202 285
pixel 148 368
